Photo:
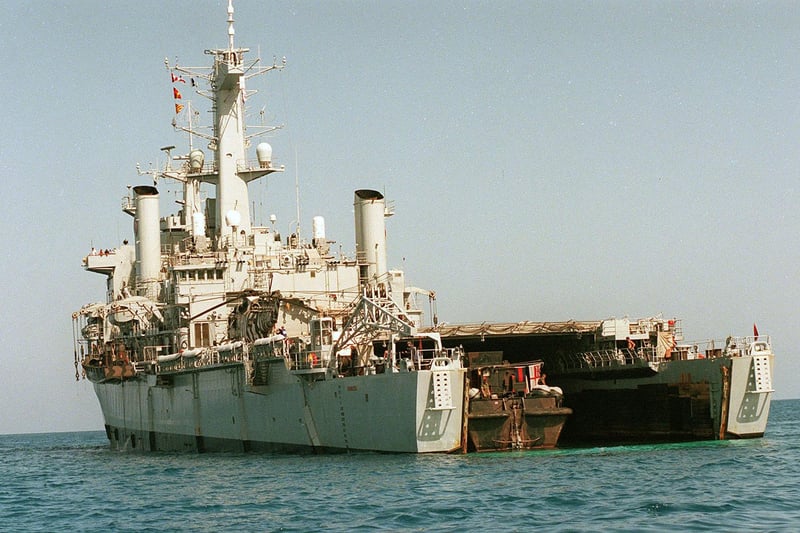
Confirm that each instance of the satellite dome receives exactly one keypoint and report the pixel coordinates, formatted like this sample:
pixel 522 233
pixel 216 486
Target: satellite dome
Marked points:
pixel 196 160
pixel 264 155
pixel 233 218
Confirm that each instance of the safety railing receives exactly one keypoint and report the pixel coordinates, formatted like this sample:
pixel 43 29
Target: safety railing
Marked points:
pixel 235 352
pixel 608 358
pixel 423 359
pixel 748 345
pixel 643 355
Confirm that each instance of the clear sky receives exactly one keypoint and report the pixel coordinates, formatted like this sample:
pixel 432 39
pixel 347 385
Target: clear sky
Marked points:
pixel 548 160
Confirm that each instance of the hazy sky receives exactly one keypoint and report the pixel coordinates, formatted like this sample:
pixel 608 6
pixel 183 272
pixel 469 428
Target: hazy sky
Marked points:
pixel 547 160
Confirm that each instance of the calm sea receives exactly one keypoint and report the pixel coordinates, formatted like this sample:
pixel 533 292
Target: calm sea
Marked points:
pixel 72 482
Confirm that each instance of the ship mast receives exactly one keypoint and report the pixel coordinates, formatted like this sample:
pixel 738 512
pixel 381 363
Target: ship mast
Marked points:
pixel 231 171
pixel 233 205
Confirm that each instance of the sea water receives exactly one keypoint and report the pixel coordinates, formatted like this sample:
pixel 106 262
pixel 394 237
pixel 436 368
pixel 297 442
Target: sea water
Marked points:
pixel 73 482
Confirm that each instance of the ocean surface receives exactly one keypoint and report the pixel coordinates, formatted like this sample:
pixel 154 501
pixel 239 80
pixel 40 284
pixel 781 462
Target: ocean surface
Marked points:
pixel 73 482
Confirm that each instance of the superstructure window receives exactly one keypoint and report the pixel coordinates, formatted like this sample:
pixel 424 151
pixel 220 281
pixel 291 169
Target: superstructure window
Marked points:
pixel 199 275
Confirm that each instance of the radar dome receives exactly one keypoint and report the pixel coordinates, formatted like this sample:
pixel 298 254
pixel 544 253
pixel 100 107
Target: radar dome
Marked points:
pixel 318 227
pixel 233 218
pixel 196 160
pixel 264 155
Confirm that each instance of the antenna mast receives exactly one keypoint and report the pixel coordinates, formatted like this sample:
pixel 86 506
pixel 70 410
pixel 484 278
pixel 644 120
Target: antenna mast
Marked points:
pixel 231 31
pixel 297 193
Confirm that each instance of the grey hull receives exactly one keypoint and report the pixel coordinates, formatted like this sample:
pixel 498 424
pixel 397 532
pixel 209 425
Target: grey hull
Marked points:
pixel 213 409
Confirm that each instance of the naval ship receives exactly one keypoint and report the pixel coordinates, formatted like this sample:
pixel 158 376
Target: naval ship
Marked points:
pixel 217 334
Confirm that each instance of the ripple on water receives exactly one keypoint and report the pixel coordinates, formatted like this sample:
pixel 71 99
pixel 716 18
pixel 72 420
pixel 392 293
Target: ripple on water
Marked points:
pixel 67 482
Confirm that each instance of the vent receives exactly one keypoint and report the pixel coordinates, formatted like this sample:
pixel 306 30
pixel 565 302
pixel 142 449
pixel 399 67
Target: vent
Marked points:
pixel 761 374
pixel 442 393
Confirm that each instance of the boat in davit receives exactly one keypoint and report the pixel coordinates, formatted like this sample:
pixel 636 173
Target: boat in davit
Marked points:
pixel 218 334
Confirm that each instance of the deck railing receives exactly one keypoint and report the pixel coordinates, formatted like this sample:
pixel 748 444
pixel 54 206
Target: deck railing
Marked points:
pixel 643 355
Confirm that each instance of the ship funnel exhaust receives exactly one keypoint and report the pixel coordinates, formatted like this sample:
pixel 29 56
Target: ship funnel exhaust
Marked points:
pixel 370 210
pixel 148 240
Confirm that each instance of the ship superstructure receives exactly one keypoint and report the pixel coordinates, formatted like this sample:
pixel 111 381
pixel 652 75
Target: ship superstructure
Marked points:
pixel 220 334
